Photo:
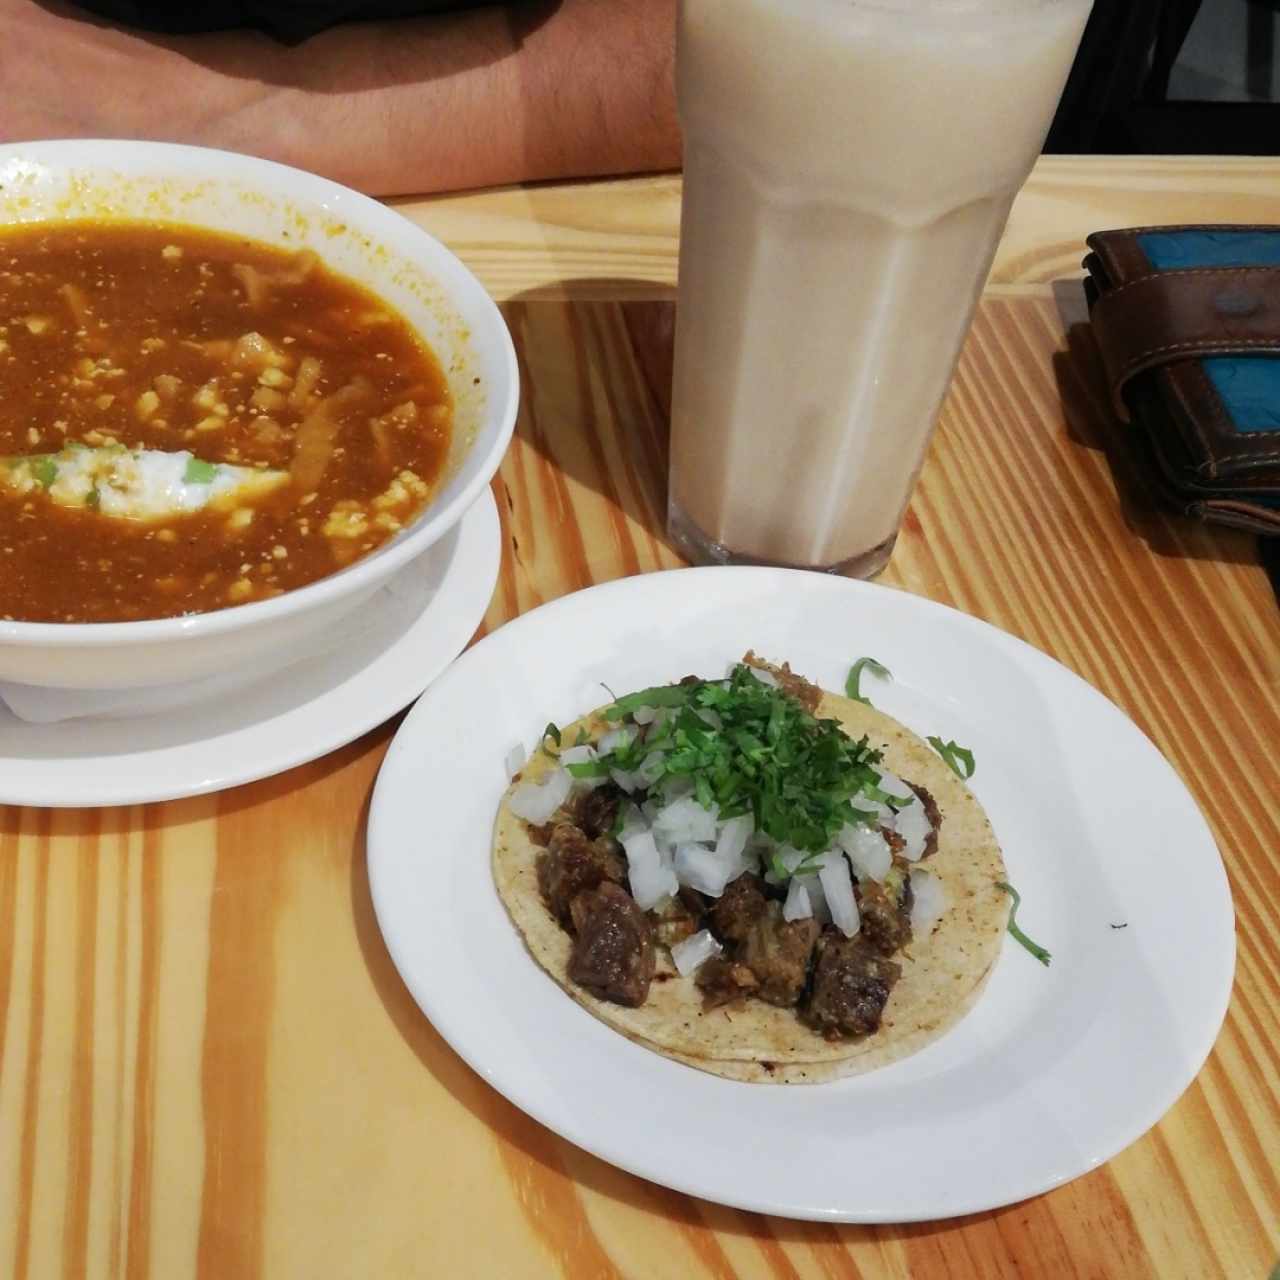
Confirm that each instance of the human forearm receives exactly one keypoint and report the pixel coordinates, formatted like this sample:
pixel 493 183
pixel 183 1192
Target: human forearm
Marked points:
pixel 486 96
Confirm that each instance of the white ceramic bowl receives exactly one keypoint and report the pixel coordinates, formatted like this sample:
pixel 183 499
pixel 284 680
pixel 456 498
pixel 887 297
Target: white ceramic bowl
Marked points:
pixel 354 235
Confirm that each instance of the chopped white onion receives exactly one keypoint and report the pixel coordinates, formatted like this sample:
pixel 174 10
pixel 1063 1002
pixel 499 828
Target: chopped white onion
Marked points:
pixel 929 901
pixel 615 738
pixel 868 850
pixel 585 754
pixel 651 879
pixel 913 825
pixel 704 869
pixel 515 759
pixel 837 885
pixel 790 857
pixel 643 715
pixel 797 905
pixel 665 845
pixel 633 821
pixel 765 677
pixel 874 811
pixel 536 801
pixel 894 785
pixel 651 767
pixel 674 788
pixel 817 899
pixel 694 951
pixel 629 782
pixel 685 819
pixel 658 722
pixel 709 717
pixel 733 837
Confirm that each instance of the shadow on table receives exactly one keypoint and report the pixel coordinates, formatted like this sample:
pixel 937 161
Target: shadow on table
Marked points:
pixel 17 820
pixel 1092 422
pixel 595 359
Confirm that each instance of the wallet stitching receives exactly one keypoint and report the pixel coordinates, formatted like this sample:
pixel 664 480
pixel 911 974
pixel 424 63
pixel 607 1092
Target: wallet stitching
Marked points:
pixel 1274 456
pixel 1195 344
pixel 1117 245
pixel 1210 467
pixel 1192 271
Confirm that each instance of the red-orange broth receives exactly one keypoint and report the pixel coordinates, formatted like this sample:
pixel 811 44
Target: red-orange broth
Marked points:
pixel 124 337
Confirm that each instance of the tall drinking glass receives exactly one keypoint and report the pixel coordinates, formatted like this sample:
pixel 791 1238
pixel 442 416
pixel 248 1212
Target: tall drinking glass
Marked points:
pixel 849 167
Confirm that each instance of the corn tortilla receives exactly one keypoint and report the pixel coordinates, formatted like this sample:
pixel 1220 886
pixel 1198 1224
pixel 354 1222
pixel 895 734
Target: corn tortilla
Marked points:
pixel 942 974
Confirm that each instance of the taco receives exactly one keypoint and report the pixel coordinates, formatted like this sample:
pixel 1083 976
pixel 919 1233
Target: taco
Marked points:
pixel 755 877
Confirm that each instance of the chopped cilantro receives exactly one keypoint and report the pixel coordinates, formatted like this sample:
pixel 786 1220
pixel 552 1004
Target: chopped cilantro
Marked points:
pixel 667 695
pixel 810 866
pixel 93 499
pixel 851 685
pixel 199 472
pixel 588 769
pixel 43 469
pixel 1034 947
pixel 797 776
pixel 551 732
pixel 959 759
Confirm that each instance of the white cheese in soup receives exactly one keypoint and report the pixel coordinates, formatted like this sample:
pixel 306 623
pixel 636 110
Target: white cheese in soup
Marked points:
pixel 136 484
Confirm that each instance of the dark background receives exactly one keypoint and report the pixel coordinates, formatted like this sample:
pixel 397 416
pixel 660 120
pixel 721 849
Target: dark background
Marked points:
pixel 1178 77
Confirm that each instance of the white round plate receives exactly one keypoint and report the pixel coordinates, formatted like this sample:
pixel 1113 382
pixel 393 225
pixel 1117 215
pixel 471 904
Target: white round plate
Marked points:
pixel 425 616
pixel 1053 1072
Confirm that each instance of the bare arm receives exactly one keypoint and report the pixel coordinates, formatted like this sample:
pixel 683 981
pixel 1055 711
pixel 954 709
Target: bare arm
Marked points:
pixel 487 96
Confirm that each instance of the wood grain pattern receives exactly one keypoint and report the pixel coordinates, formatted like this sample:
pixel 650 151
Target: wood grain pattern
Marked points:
pixel 208 1065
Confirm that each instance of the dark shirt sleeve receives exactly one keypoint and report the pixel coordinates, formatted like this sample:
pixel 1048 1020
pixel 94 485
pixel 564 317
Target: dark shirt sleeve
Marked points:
pixel 291 21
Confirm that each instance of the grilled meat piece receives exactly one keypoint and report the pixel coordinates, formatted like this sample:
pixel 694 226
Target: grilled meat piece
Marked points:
pixel 695 901
pixel 613 954
pixel 906 894
pixel 897 886
pixel 895 842
pixel 933 813
pixel 675 920
pixel 573 864
pixel 851 986
pixel 885 925
pixel 597 811
pixel 723 981
pixel 806 694
pixel 740 905
pixel 540 832
pixel 778 952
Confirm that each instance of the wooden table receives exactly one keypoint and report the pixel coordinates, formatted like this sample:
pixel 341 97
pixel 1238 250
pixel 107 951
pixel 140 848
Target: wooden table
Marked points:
pixel 208 1064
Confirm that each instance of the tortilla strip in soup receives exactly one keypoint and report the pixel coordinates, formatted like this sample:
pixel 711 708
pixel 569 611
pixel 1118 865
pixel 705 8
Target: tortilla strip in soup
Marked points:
pixel 191 420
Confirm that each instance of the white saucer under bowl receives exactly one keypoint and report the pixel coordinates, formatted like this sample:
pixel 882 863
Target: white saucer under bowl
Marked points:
pixel 427 614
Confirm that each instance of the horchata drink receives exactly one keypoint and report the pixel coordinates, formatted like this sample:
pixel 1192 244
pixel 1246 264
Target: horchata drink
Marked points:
pixel 849 166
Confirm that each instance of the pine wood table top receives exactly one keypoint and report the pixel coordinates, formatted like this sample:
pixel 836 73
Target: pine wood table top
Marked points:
pixel 209 1066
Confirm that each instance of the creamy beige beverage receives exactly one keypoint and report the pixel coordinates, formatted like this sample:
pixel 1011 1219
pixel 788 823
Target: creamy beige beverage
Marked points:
pixel 849 166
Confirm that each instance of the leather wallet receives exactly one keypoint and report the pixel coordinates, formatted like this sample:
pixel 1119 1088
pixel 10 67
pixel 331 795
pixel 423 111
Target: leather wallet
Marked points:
pixel 1187 320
